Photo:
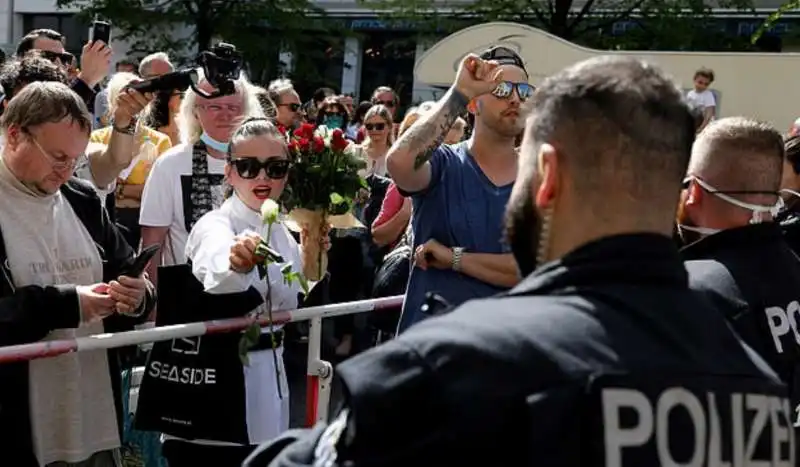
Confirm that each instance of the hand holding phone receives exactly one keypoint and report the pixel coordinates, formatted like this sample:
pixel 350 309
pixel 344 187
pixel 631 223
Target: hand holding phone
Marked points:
pixel 101 31
pixel 140 263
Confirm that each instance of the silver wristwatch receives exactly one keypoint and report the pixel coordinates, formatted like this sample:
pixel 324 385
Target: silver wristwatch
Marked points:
pixel 458 252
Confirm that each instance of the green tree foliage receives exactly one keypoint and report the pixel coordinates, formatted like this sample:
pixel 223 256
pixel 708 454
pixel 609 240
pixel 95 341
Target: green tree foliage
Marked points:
pixel 686 25
pixel 259 28
pixel 658 24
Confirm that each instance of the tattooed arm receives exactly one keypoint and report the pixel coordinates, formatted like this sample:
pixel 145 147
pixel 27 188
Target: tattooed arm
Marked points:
pixel 407 159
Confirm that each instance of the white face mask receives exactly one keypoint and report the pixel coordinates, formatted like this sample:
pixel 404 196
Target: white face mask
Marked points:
pixel 791 192
pixel 758 210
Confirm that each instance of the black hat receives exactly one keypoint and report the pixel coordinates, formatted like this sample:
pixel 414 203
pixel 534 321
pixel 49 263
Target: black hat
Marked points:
pixel 503 56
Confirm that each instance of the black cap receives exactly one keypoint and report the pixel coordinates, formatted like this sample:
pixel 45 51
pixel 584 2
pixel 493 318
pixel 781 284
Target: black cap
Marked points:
pixel 503 56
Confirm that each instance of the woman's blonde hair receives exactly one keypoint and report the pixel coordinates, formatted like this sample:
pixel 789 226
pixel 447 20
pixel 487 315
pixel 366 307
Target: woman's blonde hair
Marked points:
pixel 383 112
pixel 189 129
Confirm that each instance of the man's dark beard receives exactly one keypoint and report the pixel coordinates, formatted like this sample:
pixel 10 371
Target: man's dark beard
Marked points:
pixel 523 233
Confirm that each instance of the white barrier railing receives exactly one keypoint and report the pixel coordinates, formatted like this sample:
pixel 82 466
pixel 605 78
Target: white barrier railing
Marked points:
pixel 318 372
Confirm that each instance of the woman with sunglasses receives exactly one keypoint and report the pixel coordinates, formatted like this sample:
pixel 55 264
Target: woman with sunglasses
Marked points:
pixel 378 126
pixel 221 251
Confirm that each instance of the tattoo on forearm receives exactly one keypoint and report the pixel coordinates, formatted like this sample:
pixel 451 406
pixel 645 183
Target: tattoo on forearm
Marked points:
pixel 426 134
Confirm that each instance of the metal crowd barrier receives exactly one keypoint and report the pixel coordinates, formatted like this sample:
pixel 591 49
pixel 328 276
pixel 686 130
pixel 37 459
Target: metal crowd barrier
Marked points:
pixel 319 373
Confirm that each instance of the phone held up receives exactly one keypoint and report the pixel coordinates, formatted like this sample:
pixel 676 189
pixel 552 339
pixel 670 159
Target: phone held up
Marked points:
pixel 101 31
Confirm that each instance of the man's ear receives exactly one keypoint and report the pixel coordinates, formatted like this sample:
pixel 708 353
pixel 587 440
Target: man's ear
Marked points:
pixel 13 137
pixel 547 170
pixel 694 194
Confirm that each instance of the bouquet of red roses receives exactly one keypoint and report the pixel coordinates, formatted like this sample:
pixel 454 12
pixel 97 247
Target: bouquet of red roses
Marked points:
pixel 321 185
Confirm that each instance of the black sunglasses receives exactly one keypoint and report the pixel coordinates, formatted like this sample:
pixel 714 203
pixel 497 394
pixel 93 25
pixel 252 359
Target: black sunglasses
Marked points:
pixel 249 167
pixel 505 88
pixel 294 107
pixel 64 57
pixel 374 126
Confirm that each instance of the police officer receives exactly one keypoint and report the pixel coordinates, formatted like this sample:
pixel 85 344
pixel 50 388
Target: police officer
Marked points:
pixel 742 260
pixel 789 217
pixel 602 355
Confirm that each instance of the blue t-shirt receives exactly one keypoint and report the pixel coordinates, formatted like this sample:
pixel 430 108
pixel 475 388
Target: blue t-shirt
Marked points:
pixel 461 207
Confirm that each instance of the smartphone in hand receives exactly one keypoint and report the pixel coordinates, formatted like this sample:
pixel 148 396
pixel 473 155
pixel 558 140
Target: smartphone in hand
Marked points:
pixel 101 31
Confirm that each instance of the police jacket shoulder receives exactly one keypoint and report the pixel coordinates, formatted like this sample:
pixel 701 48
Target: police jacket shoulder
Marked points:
pixel 475 382
pixel 752 276
pixel 746 270
pixel 789 220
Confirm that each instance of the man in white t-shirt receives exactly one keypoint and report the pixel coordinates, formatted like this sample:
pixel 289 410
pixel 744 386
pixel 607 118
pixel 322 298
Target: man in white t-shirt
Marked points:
pixel 186 181
pixel 701 98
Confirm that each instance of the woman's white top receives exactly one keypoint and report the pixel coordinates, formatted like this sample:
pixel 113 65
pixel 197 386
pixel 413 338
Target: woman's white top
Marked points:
pixel 208 247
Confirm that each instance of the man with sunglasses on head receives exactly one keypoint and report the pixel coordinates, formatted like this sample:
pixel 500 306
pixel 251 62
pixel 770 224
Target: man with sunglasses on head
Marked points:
pixel 385 96
pixel 460 191
pixel 736 253
pixel 95 60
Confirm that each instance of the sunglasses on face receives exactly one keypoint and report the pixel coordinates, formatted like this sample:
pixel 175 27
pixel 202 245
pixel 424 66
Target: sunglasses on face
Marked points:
pixel 64 57
pixel 388 104
pixel 506 88
pixel 294 107
pixel 375 126
pixel 249 167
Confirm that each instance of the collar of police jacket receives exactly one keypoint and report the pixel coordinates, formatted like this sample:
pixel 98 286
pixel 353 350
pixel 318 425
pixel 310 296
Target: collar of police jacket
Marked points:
pixel 642 258
pixel 748 236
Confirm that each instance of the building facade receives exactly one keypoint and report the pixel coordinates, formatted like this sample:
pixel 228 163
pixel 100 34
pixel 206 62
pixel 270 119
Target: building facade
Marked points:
pixel 373 53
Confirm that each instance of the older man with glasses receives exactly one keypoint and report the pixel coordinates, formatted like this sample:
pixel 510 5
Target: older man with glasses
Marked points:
pixel 63 270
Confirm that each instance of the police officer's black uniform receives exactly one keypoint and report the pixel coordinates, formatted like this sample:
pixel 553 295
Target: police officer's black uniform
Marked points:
pixel 789 220
pixel 752 273
pixel 604 357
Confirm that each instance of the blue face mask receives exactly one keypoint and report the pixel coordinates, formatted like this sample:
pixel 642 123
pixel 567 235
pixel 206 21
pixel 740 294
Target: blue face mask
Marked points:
pixel 213 144
pixel 333 121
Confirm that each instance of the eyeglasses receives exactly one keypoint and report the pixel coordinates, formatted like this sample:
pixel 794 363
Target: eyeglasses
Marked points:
pixel 249 167
pixel 688 182
pixel 57 163
pixel 215 108
pixel 294 106
pixel 65 58
pixel 389 104
pixel 505 88
pixel 375 126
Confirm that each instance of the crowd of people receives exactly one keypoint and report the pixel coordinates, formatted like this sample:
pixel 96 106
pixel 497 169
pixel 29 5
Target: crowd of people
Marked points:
pixel 597 271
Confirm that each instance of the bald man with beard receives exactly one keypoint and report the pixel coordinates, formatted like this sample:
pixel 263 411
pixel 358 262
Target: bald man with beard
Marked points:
pixel 741 259
pixel 602 355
